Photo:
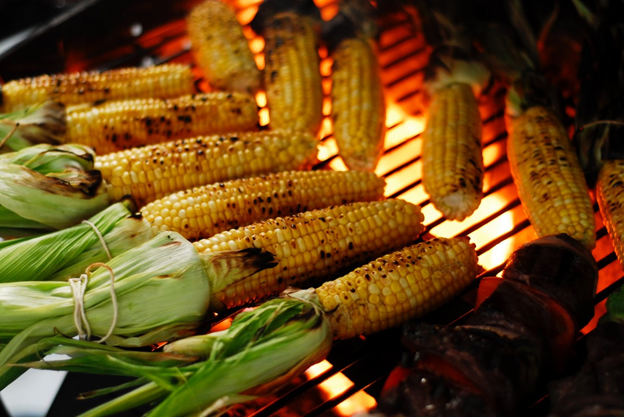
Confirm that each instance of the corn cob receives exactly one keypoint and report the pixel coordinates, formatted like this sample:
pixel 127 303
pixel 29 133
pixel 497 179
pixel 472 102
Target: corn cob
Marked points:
pixel 610 196
pixel 548 176
pixel 452 152
pixel 358 105
pixel 315 245
pixel 211 209
pixel 162 81
pixel 398 286
pixel 221 48
pixel 152 172
pixel 291 75
pixel 124 124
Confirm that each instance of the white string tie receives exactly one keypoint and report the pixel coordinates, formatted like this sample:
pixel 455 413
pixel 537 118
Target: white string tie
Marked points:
pixel 99 235
pixel 78 287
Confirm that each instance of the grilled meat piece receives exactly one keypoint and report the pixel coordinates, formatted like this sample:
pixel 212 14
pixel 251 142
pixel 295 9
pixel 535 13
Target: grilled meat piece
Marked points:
pixel 512 344
pixel 413 397
pixel 491 363
pixel 559 267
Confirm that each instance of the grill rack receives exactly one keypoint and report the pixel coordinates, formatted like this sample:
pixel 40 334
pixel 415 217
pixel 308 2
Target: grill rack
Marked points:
pixel 365 361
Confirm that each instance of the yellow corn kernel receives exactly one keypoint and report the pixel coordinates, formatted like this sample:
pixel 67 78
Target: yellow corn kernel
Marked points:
pixel 298 262
pixel 610 196
pixel 291 75
pixel 241 202
pixel 548 176
pixel 395 288
pixel 452 152
pixel 183 164
pixel 358 105
pixel 124 124
pixel 221 49
pixel 168 80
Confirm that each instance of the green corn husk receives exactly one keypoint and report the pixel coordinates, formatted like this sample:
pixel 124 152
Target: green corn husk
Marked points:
pixel 261 350
pixel 162 291
pixel 600 109
pixel 516 65
pixel 67 253
pixel 445 29
pixel 615 307
pixel 60 179
pixel 41 123
pixel 46 159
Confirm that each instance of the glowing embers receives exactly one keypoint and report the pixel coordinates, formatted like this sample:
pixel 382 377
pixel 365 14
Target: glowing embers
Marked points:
pixel 338 384
pixel 263 113
pixel 246 11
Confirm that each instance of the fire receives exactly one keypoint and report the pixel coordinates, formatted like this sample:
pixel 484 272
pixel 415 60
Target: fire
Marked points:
pixel 502 224
pixel 263 113
pixel 394 114
pixel 408 127
pixel 405 124
pixel 336 385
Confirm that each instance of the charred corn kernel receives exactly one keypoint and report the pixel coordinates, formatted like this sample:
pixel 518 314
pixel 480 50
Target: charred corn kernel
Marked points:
pixel 291 75
pixel 152 172
pixel 358 105
pixel 452 152
pixel 399 286
pixel 211 209
pixel 610 196
pixel 124 124
pixel 548 176
pixel 162 81
pixel 221 49
pixel 341 237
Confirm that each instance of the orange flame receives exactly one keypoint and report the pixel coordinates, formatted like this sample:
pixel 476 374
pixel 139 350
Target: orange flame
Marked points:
pixel 338 384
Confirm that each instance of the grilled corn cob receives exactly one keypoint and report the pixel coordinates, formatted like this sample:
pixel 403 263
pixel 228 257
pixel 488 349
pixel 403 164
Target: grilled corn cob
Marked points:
pixel 451 149
pixel 152 172
pixel 221 48
pixel 549 178
pixel 358 105
pixel 315 245
pixel 610 196
pixel 124 124
pixel 399 286
pixel 452 152
pixel 208 210
pixel 163 81
pixel 292 75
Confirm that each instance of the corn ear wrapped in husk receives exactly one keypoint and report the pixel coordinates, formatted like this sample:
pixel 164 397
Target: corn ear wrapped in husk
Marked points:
pixel 60 178
pixel 68 252
pixel 260 351
pixel 162 293
pixel 40 123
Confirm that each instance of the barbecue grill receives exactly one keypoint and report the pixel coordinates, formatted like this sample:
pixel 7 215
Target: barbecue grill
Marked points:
pixel 73 37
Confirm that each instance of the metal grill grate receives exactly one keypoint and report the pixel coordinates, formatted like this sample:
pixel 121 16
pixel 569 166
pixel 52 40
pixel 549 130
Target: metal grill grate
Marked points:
pixel 498 227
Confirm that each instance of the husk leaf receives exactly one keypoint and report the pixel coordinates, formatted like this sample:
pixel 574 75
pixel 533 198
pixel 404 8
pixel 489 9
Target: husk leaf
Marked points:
pixel 61 179
pixel 68 252
pixel 261 350
pixel 40 123
pixel 162 292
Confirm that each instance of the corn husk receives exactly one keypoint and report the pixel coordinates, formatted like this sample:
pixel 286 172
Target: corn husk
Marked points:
pixel 261 350
pixel 60 179
pixel 41 123
pixel 162 291
pixel 615 307
pixel 67 253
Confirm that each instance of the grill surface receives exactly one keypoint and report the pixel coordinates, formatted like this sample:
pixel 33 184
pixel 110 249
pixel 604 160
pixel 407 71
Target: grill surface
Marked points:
pixel 498 227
